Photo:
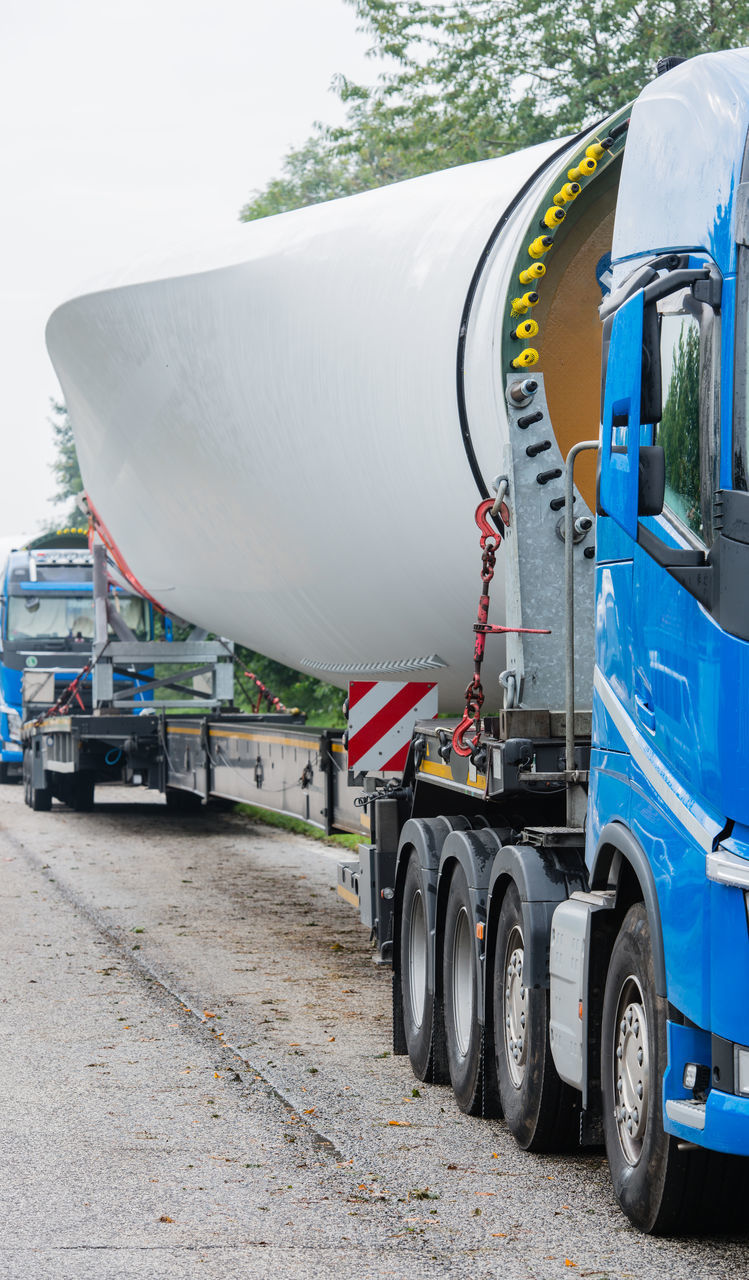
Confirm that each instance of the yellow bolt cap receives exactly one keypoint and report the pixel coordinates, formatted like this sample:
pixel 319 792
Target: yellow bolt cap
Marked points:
pixel 525 359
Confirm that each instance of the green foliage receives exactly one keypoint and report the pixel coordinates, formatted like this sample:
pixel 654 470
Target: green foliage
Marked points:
pixel 309 175
pixel 65 467
pixel 467 81
pixel 286 823
pixel 320 702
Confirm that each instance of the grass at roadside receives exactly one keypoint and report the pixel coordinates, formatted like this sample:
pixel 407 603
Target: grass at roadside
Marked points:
pixel 300 828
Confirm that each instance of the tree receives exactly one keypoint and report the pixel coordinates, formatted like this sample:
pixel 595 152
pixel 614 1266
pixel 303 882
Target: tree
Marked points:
pixel 477 78
pixel 65 466
pixel 320 702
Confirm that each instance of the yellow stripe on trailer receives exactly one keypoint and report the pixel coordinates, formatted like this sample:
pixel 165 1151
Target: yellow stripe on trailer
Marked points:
pixel 444 771
pixel 351 898
pixel 310 744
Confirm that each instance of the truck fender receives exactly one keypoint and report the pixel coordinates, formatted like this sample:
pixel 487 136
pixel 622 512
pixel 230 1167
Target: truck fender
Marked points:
pixel 615 848
pixel 543 879
pixel 474 852
pixel 426 836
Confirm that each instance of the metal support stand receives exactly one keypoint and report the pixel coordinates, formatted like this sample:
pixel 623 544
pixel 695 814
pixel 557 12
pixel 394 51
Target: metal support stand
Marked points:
pixel 204 674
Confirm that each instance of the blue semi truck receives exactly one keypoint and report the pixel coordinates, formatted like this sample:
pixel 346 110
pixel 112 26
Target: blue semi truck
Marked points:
pixel 561 885
pixel 46 629
pixel 582 966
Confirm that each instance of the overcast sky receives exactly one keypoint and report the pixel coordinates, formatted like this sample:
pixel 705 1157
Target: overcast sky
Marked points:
pixel 127 124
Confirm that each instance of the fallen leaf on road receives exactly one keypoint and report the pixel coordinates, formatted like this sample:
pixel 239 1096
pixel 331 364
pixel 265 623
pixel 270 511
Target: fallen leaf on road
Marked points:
pixel 165 1218
pixel 406 1124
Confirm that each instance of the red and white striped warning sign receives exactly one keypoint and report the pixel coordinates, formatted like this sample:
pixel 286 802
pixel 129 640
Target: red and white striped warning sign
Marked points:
pixel 381 717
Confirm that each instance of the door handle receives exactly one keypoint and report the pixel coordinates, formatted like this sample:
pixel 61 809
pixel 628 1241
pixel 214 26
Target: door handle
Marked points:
pixel 645 713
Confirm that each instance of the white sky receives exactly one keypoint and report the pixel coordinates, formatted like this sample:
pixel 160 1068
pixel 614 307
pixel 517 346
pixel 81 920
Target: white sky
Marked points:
pixel 127 125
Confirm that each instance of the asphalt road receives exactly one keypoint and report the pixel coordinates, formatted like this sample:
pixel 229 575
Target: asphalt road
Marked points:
pixel 195 1080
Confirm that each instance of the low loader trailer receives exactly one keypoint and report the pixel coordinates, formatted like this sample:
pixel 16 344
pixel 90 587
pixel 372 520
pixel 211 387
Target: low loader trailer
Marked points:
pixel 159 719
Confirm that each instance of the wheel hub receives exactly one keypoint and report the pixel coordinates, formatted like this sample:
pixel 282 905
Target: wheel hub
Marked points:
pixel 516 1009
pixel 631 1070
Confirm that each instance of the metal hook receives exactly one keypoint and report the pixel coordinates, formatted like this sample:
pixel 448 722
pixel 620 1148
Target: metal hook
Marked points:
pixel 459 745
pixel 481 517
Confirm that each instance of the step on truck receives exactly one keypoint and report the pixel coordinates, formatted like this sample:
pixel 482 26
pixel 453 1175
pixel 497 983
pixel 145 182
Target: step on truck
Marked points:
pixel 559 876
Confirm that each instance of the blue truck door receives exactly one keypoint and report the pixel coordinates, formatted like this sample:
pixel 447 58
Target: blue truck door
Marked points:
pixel 672 732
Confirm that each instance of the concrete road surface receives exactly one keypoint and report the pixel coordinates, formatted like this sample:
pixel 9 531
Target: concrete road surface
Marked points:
pixel 195 1080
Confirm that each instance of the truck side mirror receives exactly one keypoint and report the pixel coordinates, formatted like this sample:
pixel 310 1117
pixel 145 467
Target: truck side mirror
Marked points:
pixel 651 399
pixel 618 491
pixel 652 480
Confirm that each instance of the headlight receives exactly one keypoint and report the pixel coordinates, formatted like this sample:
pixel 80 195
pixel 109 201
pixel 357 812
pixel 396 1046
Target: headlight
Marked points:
pixel 14 725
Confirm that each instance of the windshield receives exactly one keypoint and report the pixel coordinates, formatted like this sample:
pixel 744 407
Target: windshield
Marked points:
pixel 67 618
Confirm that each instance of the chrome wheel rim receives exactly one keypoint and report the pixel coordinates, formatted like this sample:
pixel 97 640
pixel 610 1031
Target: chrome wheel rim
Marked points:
pixel 631 1066
pixel 417 959
pixel 462 983
pixel 515 1008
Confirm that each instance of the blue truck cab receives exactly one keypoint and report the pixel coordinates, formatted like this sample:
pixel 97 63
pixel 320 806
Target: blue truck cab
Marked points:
pixel 47 626
pixel 569 925
pixel 669 788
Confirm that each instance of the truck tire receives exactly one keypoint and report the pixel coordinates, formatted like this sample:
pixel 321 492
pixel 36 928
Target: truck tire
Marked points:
pixel 463 1032
pixel 80 794
pixel 541 1111
pixel 182 801
pixel 418 1000
pixel 40 798
pixel 662 1190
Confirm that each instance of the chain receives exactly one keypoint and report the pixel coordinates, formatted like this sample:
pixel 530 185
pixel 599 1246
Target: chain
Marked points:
pixel 490 540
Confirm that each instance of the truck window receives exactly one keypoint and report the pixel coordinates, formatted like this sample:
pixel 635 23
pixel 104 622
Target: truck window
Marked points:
pixel 741 385
pixel 679 428
pixel 49 618
pixel 67 617
pixel 688 430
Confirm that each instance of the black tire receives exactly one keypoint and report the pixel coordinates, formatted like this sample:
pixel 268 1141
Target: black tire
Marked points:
pixel 4 775
pixel 542 1112
pixel 463 1033
pixel 417 999
pixel 662 1190
pixel 41 799
pixel 80 795
pixel 182 801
